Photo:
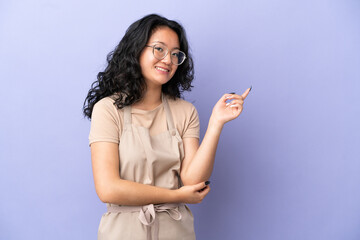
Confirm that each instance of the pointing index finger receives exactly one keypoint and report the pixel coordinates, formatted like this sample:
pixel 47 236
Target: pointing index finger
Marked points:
pixel 244 95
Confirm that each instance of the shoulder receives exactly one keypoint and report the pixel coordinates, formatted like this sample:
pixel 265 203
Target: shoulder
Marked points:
pixel 106 107
pixel 181 105
pixel 186 117
pixel 106 103
pixel 183 111
pixel 105 122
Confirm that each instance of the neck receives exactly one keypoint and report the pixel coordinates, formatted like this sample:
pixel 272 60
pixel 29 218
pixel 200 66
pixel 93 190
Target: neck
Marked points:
pixel 150 100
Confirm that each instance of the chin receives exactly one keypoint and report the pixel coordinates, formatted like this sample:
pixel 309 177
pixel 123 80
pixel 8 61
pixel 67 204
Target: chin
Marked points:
pixel 158 82
pixel 163 80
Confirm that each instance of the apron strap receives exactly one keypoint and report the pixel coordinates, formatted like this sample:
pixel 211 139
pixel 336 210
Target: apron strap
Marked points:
pixel 169 118
pixel 127 117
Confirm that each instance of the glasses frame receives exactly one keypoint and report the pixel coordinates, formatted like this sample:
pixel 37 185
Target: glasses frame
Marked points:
pixel 167 51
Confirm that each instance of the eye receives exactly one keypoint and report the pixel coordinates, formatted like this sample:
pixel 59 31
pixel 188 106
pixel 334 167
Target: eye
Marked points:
pixel 159 49
pixel 175 54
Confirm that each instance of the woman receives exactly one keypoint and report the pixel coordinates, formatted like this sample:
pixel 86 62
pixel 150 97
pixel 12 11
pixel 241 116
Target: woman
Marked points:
pixel 146 158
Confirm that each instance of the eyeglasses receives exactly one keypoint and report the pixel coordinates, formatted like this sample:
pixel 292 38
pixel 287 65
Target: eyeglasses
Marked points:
pixel 160 51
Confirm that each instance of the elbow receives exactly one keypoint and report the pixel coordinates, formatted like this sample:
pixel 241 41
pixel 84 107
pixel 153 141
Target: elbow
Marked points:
pixel 104 193
pixel 190 182
pixel 104 198
pixel 187 180
pixel 192 179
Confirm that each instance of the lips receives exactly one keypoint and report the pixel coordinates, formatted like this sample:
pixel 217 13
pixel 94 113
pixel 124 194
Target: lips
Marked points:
pixel 162 69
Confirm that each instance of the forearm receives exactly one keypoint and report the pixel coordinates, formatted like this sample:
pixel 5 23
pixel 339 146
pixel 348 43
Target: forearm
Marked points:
pixel 124 192
pixel 201 166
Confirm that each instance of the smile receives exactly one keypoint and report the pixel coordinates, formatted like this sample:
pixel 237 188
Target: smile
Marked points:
pixel 162 69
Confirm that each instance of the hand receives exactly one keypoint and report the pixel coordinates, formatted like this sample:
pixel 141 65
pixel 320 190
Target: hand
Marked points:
pixel 224 112
pixel 193 193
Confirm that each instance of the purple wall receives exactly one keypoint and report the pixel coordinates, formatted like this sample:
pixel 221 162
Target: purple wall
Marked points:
pixel 287 168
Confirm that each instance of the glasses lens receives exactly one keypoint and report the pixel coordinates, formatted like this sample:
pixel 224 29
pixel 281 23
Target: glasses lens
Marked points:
pixel 177 57
pixel 160 51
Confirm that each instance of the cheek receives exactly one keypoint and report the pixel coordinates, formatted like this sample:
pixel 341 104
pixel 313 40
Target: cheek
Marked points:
pixel 174 71
pixel 145 60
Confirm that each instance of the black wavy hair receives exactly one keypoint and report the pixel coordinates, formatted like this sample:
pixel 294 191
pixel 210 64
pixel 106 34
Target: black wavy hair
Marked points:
pixel 122 77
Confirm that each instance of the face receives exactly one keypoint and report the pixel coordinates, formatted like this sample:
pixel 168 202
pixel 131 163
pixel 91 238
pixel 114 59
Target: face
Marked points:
pixel 158 72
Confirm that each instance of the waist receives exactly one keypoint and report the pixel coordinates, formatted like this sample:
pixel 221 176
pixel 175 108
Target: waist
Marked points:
pixel 157 207
pixel 147 213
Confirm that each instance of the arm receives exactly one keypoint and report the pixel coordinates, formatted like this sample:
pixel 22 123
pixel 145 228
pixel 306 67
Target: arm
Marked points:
pixel 198 163
pixel 112 189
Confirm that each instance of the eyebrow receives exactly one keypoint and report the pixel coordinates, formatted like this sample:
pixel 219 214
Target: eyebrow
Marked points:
pixel 164 44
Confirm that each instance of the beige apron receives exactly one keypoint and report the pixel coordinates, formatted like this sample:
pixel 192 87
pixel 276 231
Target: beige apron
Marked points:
pixel 153 160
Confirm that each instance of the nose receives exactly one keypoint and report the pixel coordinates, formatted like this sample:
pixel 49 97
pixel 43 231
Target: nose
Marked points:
pixel 167 59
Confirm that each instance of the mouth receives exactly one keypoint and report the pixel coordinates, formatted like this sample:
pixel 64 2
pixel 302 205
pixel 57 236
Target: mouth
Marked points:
pixel 162 69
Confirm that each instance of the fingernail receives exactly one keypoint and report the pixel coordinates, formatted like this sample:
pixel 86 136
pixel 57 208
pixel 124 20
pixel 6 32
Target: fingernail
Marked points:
pixel 207 182
pixel 250 88
pixel 229 96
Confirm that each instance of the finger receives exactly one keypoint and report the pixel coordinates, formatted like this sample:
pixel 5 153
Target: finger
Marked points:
pixel 237 109
pixel 205 191
pixel 246 93
pixel 230 96
pixel 227 96
pixel 235 102
pixel 199 186
pixel 236 105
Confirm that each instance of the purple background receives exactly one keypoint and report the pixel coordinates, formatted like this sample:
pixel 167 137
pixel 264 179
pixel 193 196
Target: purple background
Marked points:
pixel 287 168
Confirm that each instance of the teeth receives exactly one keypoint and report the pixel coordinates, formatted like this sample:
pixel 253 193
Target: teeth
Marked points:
pixel 162 69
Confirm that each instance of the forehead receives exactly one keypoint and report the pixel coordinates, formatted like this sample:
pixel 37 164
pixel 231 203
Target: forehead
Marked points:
pixel 165 35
